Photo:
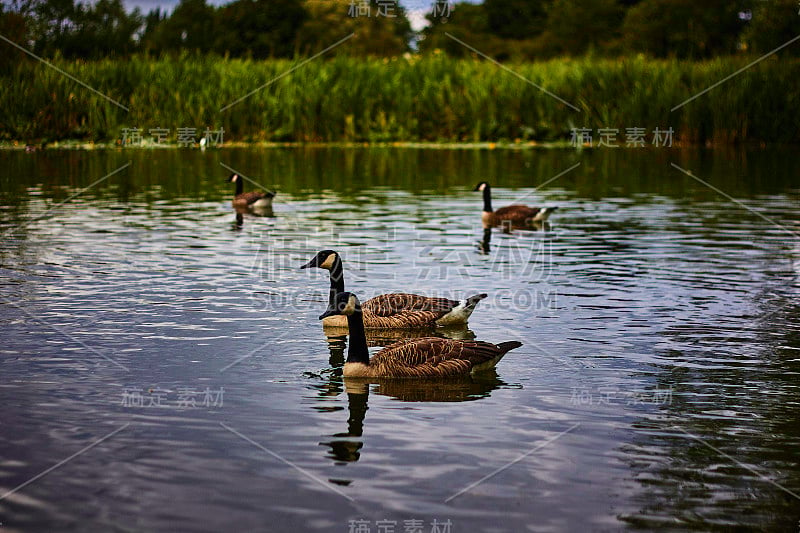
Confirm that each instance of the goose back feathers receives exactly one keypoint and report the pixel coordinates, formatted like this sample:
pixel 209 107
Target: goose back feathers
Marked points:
pixel 390 304
pixel 431 356
pixel 249 199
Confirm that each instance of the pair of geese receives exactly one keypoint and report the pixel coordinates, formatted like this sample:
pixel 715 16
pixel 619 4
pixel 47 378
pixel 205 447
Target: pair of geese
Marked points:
pixel 516 215
pixel 426 357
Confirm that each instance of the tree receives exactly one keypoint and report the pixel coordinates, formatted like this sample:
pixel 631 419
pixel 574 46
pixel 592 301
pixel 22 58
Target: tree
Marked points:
pixel 332 20
pixel 190 27
pixel 104 29
pixel 14 25
pixel 517 19
pixel 261 28
pixel 469 23
pixel 53 25
pixel 684 28
pixel 575 26
pixel 774 22
pixel 149 32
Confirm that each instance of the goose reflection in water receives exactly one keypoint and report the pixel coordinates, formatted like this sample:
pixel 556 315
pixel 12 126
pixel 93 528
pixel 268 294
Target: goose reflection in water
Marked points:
pixel 259 212
pixel 484 245
pixel 346 447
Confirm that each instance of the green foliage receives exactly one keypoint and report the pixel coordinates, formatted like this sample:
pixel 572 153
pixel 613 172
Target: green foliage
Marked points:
pixel 100 29
pixel 241 28
pixel 516 19
pixel 190 27
pixel 684 28
pixel 330 21
pixel 470 24
pixel 575 26
pixel 774 22
pixel 506 30
pixel 261 28
pixel 432 98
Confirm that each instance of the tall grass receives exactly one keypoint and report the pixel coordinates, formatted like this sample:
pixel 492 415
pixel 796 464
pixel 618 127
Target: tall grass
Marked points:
pixel 433 98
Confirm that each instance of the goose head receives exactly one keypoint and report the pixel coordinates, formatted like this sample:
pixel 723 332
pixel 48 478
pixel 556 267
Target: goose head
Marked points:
pixel 346 303
pixel 325 259
pixel 481 186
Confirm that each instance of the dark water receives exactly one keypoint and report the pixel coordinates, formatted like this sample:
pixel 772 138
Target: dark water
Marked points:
pixel 658 386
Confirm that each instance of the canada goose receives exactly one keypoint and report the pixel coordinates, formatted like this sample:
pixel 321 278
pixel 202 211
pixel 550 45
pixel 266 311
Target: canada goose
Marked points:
pixel 517 214
pixel 397 310
pixel 251 199
pixel 428 357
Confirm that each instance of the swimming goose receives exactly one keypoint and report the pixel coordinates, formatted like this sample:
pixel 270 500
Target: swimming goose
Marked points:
pixel 428 357
pixel 251 199
pixel 517 214
pixel 397 310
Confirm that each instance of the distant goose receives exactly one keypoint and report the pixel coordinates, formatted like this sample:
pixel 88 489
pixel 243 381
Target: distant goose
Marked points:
pixel 427 357
pixel 517 215
pixel 398 310
pixel 251 199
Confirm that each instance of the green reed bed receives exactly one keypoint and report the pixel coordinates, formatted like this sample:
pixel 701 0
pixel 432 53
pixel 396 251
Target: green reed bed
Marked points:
pixel 433 98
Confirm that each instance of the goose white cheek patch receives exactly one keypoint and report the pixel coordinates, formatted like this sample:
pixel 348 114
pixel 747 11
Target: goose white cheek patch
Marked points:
pixel 328 263
pixel 350 307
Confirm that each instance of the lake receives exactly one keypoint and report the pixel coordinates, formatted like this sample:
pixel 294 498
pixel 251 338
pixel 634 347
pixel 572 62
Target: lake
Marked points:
pixel 163 367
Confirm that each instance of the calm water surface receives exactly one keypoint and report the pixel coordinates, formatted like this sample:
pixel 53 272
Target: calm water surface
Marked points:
pixel 658 386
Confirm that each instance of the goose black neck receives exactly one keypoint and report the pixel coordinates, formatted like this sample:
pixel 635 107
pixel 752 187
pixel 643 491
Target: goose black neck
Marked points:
pixel 239 186
pixel 487 199
pixel 337 281
pixel 357 402
pixel 357 351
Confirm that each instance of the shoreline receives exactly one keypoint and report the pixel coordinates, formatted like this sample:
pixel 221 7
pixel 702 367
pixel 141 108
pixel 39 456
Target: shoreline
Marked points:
pixel 520 145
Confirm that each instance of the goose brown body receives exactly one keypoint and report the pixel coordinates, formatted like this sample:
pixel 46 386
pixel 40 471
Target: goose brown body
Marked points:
pixel 517 215
pixel 430 357
pixel 249 199
pixel 390 304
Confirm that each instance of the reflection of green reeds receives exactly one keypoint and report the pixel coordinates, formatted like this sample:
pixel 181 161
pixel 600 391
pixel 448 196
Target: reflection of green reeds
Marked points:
pixel 433 98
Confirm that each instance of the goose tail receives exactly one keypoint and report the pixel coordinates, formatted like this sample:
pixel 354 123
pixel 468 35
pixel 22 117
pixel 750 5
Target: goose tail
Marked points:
pixel 507 346
pixel 504 348
pixel 544 213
